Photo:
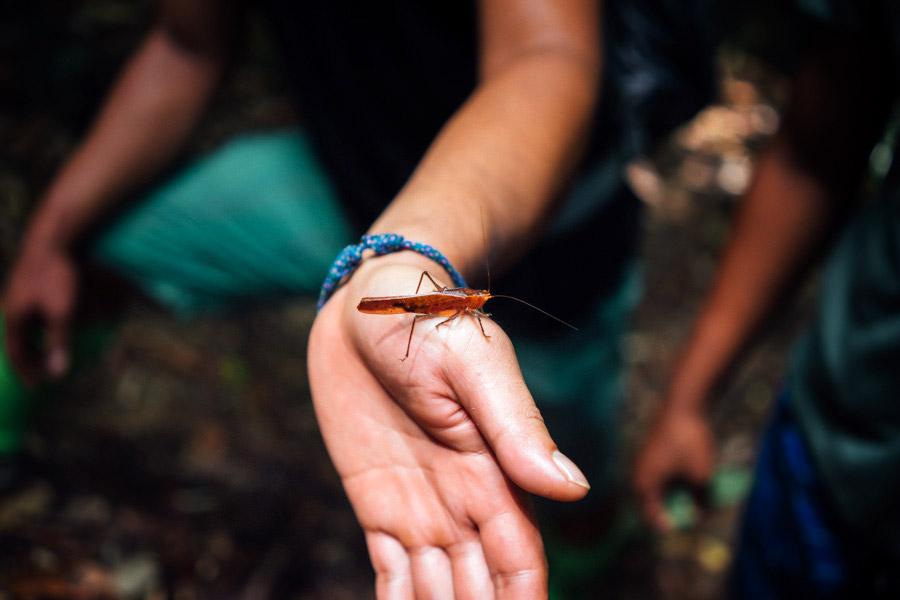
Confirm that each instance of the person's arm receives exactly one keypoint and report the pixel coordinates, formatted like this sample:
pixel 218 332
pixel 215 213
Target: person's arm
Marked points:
pixel 505 155
pixel 803 189
pixel 147 117
pixel 433 450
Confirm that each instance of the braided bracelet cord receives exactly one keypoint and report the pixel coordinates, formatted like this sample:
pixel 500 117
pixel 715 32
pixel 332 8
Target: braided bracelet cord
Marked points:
pixel 382 243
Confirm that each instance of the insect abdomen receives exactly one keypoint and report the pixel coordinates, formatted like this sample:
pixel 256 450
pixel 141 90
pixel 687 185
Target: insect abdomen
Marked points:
pixel 441 304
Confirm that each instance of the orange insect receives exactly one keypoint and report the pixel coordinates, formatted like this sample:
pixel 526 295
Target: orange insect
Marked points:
pixel 443 302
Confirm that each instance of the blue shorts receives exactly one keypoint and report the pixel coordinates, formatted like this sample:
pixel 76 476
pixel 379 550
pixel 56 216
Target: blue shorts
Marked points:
pixel 793 543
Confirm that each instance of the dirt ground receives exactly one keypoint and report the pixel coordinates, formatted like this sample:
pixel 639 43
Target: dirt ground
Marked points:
pixel 184 461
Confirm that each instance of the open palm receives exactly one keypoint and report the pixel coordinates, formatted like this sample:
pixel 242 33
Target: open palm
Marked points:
pixel 433 450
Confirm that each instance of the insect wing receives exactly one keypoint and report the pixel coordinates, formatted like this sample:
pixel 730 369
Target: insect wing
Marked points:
pixel 446 302
pixel 392 305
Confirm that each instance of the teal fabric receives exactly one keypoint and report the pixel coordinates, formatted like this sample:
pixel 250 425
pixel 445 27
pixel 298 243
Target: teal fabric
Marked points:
pixel 845 372
pixel 578 381
pixel 256 219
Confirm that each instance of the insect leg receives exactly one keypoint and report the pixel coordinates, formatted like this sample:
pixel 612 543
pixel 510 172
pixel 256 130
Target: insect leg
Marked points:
pixel 411 329
pixel 433 282
pixel 478 314
pixel 445 321
pixel 421 277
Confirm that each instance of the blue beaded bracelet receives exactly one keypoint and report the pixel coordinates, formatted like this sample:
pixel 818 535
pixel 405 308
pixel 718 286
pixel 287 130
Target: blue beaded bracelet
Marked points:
pixel 382 243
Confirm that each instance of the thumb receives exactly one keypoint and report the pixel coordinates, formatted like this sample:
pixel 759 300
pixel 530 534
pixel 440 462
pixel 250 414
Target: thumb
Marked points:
pixel 499 403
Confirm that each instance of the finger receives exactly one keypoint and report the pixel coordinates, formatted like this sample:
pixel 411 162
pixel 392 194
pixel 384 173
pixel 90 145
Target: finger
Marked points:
pixel 497 399
pixel 471 576
pixel 57 356
pixel 431 573
pixel 514 554
pixel 393 578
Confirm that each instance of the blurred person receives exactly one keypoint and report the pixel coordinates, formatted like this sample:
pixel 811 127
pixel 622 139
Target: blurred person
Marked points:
pixel 463 126
pixel 821 520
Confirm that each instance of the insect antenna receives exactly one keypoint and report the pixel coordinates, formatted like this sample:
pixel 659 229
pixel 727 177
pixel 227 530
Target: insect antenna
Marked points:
pixel 487 260
pixel 541 310
pixel 487 264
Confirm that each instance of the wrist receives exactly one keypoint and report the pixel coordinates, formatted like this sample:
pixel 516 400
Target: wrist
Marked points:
pixel 396 274
pixel 462 237
pixel 679 413
pixel 375 245
pixel 696 375
pixel 409 259
pixel 49 231
pixel 685 400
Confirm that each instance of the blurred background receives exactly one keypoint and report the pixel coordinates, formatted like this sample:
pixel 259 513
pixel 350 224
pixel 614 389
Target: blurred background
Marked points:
pixel 185 462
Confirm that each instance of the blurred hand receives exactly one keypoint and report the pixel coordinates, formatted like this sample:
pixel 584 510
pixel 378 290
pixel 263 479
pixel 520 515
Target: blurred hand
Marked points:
pixel 432 451
pixel 680 448
pixel 39 300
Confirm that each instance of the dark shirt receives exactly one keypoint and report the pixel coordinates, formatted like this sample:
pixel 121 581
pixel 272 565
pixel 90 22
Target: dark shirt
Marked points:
pixel 377 80
pixel 845 372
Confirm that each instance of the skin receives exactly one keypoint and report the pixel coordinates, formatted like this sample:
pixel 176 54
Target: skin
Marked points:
pixel 502 157
pixel 453 429
pixel 804 187
pixel 434 452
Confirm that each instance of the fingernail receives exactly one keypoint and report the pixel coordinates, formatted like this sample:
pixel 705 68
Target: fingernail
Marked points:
pixel 58 362
pixel 571 472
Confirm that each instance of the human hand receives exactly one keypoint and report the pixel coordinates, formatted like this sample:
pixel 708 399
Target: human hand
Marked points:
pixel 40 298
pixel 432 451
pixel 680 447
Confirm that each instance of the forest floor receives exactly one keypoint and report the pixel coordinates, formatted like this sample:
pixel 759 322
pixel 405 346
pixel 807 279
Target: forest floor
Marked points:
pixel 184 461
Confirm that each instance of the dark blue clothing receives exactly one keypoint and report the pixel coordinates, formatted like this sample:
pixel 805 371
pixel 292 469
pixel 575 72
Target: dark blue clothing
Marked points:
pixel 822 521
pixel 794 545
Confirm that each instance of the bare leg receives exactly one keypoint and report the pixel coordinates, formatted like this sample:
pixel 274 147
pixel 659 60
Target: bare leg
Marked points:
pixel 411 329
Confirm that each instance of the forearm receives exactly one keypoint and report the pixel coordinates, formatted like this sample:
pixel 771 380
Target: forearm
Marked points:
pixel 805 185
pixel 503 157
pixel 784 219
pixel 146 119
